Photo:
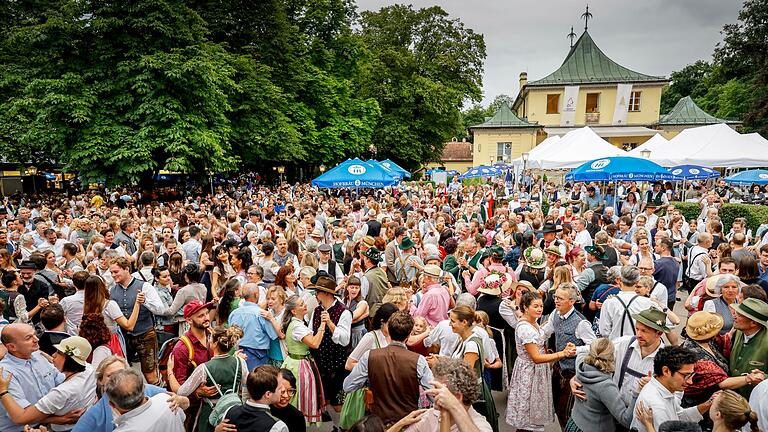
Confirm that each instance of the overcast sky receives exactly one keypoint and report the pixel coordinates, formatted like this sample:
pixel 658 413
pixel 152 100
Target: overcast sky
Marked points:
pixel 654 37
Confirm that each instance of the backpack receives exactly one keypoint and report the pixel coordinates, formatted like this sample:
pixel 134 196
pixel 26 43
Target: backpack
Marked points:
pixel 228 399
pixel 166 350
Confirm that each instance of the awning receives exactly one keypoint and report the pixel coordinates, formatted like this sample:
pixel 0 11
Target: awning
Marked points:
pixel 606 131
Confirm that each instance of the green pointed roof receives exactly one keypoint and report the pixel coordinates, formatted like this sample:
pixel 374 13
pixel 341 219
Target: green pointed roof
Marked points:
pixel 686 112
pixel 587 64
pixel 505 118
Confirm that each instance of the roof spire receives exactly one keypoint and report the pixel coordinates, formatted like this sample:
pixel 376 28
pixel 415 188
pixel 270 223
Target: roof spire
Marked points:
pixel 571 36
pixel 586 15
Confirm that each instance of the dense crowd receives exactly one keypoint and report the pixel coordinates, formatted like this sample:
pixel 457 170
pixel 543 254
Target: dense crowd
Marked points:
pixel 275 309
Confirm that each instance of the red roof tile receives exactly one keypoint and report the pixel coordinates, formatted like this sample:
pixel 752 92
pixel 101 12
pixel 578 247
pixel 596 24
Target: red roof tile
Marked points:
pixel 457 151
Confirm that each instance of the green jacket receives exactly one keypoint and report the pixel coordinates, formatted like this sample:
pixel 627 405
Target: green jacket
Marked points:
pixel 748 356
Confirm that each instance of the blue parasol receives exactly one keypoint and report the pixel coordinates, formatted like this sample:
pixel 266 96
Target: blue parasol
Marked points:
pixel 395 167
pixel 355 173
pixel 619 168
pixel 693 172
pixel 757 176
pixel 481 171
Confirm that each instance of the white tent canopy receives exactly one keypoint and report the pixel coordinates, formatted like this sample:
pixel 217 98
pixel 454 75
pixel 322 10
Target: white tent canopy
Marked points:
pixel 716 145
pixel 534 156
pixel 577 147
pixel 655 145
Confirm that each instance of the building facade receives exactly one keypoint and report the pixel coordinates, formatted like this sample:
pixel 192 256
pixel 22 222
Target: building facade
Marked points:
pixel 590 89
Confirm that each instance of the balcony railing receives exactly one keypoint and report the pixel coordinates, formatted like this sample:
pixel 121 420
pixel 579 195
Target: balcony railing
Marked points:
pixel 593 118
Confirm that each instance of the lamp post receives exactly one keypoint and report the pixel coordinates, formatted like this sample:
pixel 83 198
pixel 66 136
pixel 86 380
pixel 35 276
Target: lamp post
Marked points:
pixel 322 168
pixel 645 154
pixel 281 170
pixel 32 170
pixel 210 180
pixel 525 166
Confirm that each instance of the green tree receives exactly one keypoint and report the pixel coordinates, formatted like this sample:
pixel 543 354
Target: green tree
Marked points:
pixel 311 55
pixel 498 100
pixel 689 81
pixel 117 91
pixel 475 115
pixel 743 55
pixel 422 66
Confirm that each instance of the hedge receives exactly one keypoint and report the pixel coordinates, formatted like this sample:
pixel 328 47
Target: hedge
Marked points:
pixel 755 214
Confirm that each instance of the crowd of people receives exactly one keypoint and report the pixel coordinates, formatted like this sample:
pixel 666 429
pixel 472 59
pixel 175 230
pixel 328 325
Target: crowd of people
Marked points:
pixel 410 308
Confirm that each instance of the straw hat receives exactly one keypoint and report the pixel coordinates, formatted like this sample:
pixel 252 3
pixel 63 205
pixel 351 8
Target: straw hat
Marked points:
pixel 703 325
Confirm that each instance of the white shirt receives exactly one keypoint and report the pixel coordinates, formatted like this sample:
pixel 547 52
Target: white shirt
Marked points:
pixel 660 293
pixel 73 311
pixel 443 335
pixel 144 274
pixel 665 405
pixel 758 400
pixel 637 363
pixel 613 313
pixel 698 269
pixel 339 271
pixel 583 239
pixel 153 416
pixel 77 392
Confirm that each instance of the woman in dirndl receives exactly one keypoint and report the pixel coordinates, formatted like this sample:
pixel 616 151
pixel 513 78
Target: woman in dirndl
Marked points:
pixel 309 398
pixel 97 301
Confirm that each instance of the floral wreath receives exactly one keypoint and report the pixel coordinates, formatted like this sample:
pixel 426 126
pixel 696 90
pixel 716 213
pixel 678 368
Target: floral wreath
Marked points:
pixel 495 279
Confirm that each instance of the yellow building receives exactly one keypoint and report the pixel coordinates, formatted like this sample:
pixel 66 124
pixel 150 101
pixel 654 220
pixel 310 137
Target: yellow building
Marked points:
pixel 503 137
pixel 686 114
pixel 590 89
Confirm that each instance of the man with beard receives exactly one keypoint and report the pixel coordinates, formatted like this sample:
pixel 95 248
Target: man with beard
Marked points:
pixel 33 289
pixel 99 417
pixel 195 339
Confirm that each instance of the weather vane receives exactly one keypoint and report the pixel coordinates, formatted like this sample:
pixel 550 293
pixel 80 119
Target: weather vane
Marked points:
pixel 586 15
pixel 571 36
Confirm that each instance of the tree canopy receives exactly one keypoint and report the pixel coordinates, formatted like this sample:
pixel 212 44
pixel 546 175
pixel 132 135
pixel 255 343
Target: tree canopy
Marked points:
pixel 735 83
pixel 119 91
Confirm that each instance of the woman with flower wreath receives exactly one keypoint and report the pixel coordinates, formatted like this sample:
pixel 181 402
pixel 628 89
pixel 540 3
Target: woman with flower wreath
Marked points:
pixel 496 254
pixel 491 303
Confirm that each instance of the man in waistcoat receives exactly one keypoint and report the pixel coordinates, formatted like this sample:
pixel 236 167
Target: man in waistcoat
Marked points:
pixel 264 389
pixel 334 348
pixel 655 198
pixel 749 347
pixel 569 326
pixel 394 373
pixel 142 340
pixel 329 265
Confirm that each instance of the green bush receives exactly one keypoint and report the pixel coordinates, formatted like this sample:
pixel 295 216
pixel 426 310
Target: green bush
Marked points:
pixel 755 214
pixel 477 181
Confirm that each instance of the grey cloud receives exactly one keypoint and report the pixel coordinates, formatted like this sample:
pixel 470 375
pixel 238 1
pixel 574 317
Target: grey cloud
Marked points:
pixel 650 36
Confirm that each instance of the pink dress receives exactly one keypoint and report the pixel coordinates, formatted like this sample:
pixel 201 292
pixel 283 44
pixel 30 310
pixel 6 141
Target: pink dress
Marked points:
pixel 530 405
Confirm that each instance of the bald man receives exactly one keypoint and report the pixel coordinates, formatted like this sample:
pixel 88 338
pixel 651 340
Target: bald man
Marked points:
pixel 33 375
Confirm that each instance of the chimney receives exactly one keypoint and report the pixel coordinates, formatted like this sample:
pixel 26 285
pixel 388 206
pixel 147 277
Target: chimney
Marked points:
pixel 523 79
